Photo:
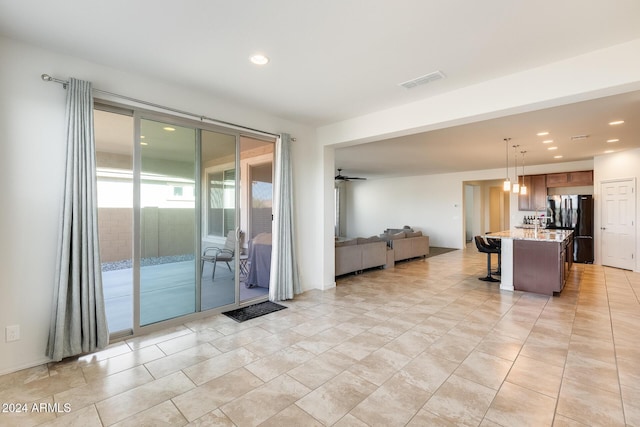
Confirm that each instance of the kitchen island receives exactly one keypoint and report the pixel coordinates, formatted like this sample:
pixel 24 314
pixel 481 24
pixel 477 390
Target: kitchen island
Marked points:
pixel 535 261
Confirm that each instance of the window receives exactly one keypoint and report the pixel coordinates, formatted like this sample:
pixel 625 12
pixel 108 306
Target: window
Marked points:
pixel 261 199
pixel 221 215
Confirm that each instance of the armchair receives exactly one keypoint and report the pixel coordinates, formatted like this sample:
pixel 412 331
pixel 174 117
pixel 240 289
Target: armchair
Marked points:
pixel 225 254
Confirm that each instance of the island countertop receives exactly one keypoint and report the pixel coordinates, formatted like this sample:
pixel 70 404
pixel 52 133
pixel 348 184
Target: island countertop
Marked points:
pixel 530 234
pixel 535 262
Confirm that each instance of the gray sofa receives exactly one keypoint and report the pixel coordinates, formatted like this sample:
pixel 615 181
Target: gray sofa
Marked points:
pixel 355 255
pixel 406 243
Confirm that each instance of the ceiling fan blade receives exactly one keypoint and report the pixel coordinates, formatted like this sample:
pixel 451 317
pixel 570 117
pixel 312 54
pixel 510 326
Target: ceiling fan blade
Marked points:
pixel 341 177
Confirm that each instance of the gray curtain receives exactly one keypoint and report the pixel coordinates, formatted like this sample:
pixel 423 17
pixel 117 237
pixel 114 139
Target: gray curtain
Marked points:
pixel 78 320
pixel 284 281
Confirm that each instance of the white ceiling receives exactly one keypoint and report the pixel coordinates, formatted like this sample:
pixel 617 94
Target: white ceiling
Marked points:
pixel 338 59
pixel 481 145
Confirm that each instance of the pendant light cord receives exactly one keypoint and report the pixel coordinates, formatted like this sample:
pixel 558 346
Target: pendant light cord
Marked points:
pixel 506 146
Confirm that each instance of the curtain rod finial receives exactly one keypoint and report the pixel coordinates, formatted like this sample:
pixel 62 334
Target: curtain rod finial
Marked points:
pixel 46 77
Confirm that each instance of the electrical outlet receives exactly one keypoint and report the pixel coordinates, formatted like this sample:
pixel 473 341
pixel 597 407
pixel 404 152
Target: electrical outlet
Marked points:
pixel 12 333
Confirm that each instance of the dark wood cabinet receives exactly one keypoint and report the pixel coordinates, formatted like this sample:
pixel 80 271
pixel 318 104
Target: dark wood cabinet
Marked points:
pixel 580 178
pixel 537 185
pixel 570 179
pixel 568 251
pixel 536 196
pixel 556 180
pixel 541 266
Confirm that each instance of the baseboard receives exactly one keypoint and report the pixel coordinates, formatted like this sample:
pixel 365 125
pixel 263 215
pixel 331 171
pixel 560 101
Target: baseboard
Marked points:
pixel 329 286
pixel 27 365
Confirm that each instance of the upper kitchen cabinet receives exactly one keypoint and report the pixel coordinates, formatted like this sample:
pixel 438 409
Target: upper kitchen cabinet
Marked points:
pixel 536 196
pixel 570 179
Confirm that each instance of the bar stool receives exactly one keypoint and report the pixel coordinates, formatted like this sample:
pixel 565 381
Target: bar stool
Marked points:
pixel 487 249
pixel 496 243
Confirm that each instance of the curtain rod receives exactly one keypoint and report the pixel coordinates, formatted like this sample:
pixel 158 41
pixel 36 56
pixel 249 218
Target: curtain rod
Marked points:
pixel 64 83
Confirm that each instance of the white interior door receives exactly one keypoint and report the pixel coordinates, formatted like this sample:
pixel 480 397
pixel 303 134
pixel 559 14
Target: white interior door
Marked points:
pixel 617 227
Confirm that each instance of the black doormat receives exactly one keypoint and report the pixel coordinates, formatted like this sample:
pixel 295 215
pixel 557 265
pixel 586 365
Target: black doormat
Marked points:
pixel 253 311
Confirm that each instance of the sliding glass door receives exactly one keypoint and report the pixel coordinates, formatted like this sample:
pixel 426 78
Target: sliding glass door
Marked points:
pixel 222 239
pixel 180 206
pixel 114 176
pixel 168 222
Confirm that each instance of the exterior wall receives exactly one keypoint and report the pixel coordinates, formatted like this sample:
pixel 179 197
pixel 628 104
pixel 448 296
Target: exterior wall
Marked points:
pixel 115 233
pixel 171 231
pixel 167 232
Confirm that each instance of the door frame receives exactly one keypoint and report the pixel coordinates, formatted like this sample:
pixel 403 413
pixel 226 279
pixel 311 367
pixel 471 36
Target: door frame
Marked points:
pixel 140 113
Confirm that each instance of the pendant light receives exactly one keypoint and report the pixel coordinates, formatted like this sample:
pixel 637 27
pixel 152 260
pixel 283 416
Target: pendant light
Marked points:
pixel 516 185
pixel 507 182
pixel 523 188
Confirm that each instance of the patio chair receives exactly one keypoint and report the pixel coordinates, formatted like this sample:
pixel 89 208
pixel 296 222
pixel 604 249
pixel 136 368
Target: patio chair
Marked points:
pixel 225 254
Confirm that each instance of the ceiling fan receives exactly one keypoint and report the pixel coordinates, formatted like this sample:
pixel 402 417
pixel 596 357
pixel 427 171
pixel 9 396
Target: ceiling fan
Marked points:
pixel 341 177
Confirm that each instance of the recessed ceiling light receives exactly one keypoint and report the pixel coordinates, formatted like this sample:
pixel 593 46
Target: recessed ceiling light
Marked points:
pixel 259 59
pixel 617 122
pixel 608 152
pixel 542 133
pixel 169 128
pixel 547 141
pixel 142 136
pixel 552 148
pixel 613 140
pixel 143 143
pixel 557 157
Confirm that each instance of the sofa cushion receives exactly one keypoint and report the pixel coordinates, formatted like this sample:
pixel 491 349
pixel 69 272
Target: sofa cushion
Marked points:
pixel 400 235
pixel 413 234
pixel 410 248
pixel 349 242
pixel 363 240
pixel 398 230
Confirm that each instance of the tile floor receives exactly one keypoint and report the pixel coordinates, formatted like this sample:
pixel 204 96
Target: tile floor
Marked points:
pixel 424 344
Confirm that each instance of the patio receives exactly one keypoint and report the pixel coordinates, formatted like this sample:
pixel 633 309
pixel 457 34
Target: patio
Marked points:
pixel 168 291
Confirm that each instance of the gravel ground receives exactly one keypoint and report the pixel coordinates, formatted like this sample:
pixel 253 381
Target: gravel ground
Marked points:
pixel 127 263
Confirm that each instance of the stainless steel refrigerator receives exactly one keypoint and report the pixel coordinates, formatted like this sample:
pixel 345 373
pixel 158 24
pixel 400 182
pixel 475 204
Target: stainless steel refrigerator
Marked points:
pixel 574 212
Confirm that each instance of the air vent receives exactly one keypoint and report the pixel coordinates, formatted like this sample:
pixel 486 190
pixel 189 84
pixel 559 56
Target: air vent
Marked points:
pixel 427 78
pixel 579 137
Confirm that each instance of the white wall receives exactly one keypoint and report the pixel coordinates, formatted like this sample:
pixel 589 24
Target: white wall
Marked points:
pixel 616 166
pixel 607 71
pixel 424 203
pixel 32 152
pixel 472 208
pixel 432 204
pixel 31 170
